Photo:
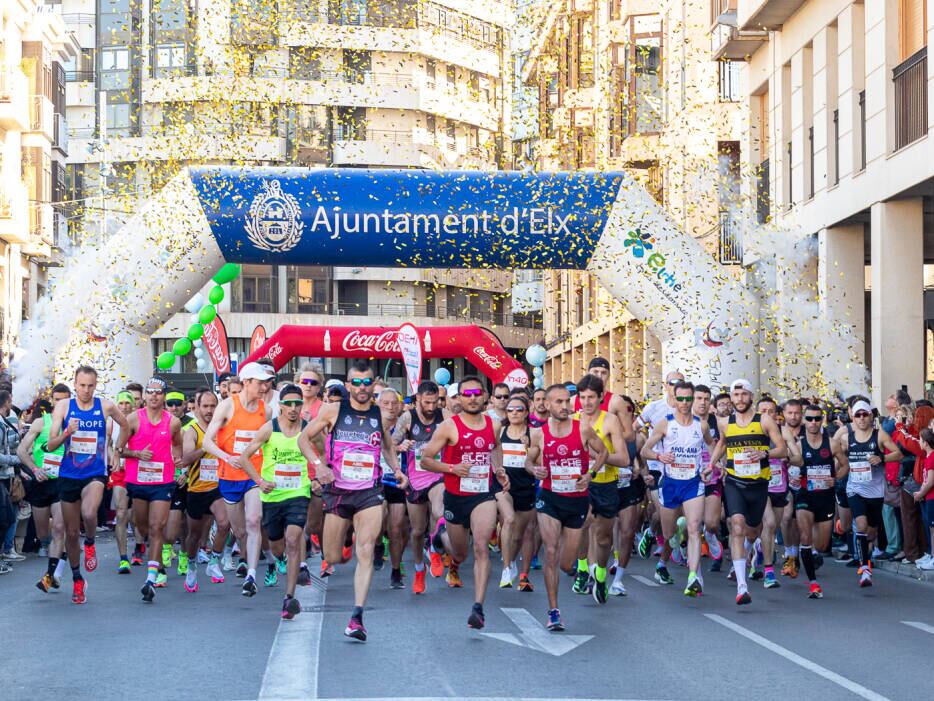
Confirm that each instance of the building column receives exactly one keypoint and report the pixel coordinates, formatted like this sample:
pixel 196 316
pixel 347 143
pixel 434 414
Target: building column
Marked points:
pixel 841 284
pixel 897 303
pixel 283 291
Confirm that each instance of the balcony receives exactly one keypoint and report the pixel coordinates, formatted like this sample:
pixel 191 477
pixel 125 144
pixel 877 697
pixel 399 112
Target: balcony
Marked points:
pixel 911 99
pixel 60 134
pixel 765 14
pixel 14 113
pixel 41 116
pixel 376 147
pixel 728 42
pixel 730 248
pixel 14 224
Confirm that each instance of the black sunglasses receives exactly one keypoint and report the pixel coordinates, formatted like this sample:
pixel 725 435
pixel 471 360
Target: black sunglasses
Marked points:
pixel 173 402
pixel 501 396
pixel 813 418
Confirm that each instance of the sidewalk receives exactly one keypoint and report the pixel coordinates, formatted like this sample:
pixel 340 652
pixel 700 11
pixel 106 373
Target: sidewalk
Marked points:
pixel 903 570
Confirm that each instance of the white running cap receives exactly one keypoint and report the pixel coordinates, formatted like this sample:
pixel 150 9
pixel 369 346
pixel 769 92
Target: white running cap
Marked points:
pixel 256 371
pixel 452 389
pixel 861 406
pixel 741 384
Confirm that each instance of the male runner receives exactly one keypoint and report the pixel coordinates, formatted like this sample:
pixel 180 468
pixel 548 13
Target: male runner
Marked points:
pixel 204 496
pixel 745 437
pixel 713 489
pixel 778 500
pixel 470 449
pixel 44 497
pixel 630 488
pixel 498 400
pixel 233 427
pixel 80 424
pixel 681 438
pixel 603 490
pixel 285 486
pixel 177 406
pixel 865 484
pixel 136 391
pixel 390 407
pixel 175 529
pixel 539 414
pixel 792 431
pixel 353 492
pixel 117 484
pixel 815 499
pixel 425 498
pixel 151 447
pixel 566 471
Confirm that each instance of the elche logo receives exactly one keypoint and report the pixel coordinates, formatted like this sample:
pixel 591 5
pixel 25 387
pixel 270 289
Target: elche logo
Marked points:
pixel 384 342
pixel 562 449
pixel 490 360
pixel 479 442
pixel 274 222
pixel 641 243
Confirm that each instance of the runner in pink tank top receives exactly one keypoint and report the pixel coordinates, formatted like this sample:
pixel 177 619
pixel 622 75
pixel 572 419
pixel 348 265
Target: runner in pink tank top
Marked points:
pixel 157 439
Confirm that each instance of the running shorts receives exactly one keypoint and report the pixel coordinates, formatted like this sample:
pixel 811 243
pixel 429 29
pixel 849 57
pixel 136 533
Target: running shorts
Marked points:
pixel 749 500
pixel 179 498
pixel 42 494
pixel 714 490
pixel 279 515
pixel 152 492
pixel 674 493
pixel 870 507
pixel 393 495
pixel 779 500
pixel 198 504
pixel 117 479
pixel 657 474
pixel 604 499
pixel 420 496
pixel 571 512
pixel 631 495
pixel 69 489
pixel 233 491
pixel 840 490
pixel 458 508
pixel 345 503
pixel 821 503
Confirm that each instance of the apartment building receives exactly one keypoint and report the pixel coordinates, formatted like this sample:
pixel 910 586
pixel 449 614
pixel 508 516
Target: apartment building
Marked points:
pixel 34 47
pixel 839 114
pixel 161 84
pixel 632 85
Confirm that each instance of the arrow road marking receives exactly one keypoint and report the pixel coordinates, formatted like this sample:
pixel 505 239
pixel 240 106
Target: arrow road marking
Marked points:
pixel 534 635
pixel 920 626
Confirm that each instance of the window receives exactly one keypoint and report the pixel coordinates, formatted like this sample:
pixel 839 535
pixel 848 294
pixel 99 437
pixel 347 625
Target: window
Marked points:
pixel 452 76
pixel 256 290
pixel 118 116
pixel 912 27
pixel 170 60
pixel 115 58
pixel 431 68
pixel 309 289
pixel 304 63
pixel 639 84
pixel 582 52
pixel 729 80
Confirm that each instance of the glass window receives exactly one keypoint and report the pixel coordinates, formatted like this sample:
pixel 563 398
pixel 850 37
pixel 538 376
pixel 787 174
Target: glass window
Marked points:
pixel 115 58
pixel 256 290
pixel 309 289
pixel 304 63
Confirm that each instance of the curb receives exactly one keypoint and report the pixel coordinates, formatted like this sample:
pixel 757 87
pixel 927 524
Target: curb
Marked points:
pixel 903 570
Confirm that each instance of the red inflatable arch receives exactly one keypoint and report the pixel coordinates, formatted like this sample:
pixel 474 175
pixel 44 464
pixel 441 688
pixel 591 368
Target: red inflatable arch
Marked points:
pixel 473 343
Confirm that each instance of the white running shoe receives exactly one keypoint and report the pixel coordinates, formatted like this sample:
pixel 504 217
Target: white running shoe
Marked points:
pixel 505 581
pixel 713 545
pixel 214 572
pixel 617 588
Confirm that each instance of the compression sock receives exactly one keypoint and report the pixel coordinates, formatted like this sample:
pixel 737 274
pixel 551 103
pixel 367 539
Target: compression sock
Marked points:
pixel 89 540
pixel 76 573
pixel 599 573
pixel 582 565
pixel 739 568
pixel 53 565
pixel 152 571
pixel 807 559
pixel 862 548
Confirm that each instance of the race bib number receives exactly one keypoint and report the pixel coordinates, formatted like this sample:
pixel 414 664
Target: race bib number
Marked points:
pixel 288 476
pixel 51 464
pixel 241 440
pixel 819 478
pixel 744 465
pixel 514 455
pixel 794 476
pixel 564 485
pixel 209 469
pixel 623 477
pixel 358 467
pixel 860 472
pixel 84 442
pixel 776 478
pixel 681 471
pixel 478 481
pixel 149 472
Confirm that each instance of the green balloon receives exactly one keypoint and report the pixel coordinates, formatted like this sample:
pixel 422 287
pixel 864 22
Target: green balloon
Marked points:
pixel 227 273
pixel 182 347
pixel 195 331
pixel 165 360
pixel 216 295
pixel 207 314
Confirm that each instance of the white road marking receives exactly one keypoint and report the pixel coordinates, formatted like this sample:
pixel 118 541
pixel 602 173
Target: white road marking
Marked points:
pixel 466 698
pixel 797 659
pixel 645 580
pixel 920 626
pixel 535 636
pixel 292 667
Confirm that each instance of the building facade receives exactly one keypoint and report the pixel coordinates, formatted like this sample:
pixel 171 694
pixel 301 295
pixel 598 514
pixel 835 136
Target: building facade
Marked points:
pixel 34 47
pixel 631 85
pixel 839 113
pixel 163 84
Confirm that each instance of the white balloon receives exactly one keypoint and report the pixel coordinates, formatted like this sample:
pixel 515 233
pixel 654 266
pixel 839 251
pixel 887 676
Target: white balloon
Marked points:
pixel 537 371
pixel 199 352
pixel 195 303
pixel 193 319
pixel 197 343
pixel 201 364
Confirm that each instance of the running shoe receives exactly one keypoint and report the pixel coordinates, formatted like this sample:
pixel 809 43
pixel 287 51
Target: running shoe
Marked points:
pixel 191 586
pixel 865 577
pixel 304 576
pixel 743 598
pixel 90 558
pixel 290 608
pixel 790 567
pixel 555 623
pixel 45 584
pixel 227 563
pixel 695 587
pixel 43 551
pixel 714 546
pixel 79 591
pixel 755 573
pixel 395 580
pixel 282 565
pixel 770 581
pixel 493 545
pixel 326 569
pixel 645 542
pixel 182 563
pixel 355 630
pixel 12 556
pixel 436 565
pixel 599 591
pixel 249 587
pixel 214 572
pixel 242 569
pixel 815 591
pixel 716 565
pixel 580 582
pixel 136 559
pixel 536 563
pixel 476 619
pixel 272 577
pixel 524 583
pixel 453 578
pixel 505 580
pixel 418 582
pixel 148 591
pixel 124 567
pixel 613 565
pixel 203 557
pixel 347 553
pixel 167 556
pixel 679 557
pixel 617 588
pixel 662 576
pixel 161 580
pixel 731 575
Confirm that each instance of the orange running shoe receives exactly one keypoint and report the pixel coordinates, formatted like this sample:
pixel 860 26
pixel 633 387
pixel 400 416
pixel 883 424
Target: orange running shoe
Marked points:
pixel 90 558
pixel 704 550
pixel 437 564
pixel 347 553
pixel 326 569
pixel 524 583
pixel 418 584
pixel 79 593
pixel 453 579
pixel 446 560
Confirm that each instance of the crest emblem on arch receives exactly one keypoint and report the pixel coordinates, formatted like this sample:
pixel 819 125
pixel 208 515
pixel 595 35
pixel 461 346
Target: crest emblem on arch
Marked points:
pixel 274 222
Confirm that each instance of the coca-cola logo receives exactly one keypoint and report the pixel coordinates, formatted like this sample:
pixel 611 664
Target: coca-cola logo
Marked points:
pixel 490 360
pixel 274 352
pixel 371 343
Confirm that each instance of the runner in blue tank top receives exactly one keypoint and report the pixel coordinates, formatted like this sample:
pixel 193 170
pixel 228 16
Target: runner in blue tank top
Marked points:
pixel 80 424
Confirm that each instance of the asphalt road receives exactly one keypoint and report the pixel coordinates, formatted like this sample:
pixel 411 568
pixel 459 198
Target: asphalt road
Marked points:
pixel 652 644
